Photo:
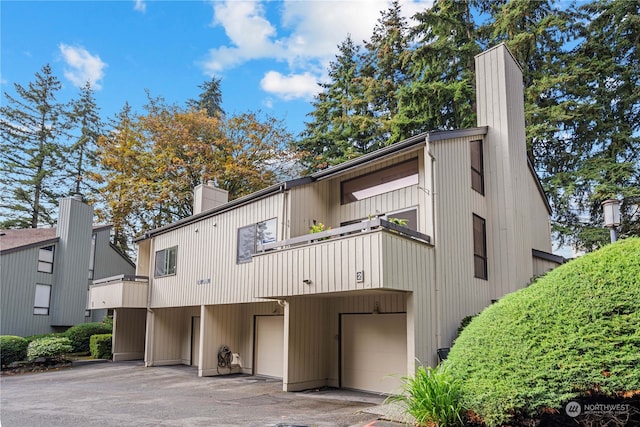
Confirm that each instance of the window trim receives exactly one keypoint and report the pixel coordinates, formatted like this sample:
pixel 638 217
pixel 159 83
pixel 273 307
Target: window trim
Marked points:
pixel 480 257
pixel 167 270
pixel 348 195
pixel 41 310
pixel 41 261
pixel 92 255
pixel 475 172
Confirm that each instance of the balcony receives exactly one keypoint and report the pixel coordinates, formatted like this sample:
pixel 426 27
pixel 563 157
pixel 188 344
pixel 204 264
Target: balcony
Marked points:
pixel 122 291
pixel 372 255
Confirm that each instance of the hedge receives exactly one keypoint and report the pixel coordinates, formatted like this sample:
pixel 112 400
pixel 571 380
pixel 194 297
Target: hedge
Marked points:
pixel 12 349
pixel 100 346
pixel 573 331
pixel 81 334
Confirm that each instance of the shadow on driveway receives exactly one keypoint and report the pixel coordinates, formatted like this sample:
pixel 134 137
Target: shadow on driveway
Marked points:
pixel 128 394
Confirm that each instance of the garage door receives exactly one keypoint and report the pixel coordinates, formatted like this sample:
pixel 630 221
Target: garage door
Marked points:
pixel 269 345
pixel 373 351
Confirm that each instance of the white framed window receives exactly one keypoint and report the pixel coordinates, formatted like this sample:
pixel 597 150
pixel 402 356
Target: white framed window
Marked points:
pixel 42 300
pixel 252 237
pixel 45 259
pixel 166 262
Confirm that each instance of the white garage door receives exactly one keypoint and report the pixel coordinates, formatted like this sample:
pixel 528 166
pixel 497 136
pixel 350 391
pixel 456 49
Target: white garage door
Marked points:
pixel 269 345
pixel 374 351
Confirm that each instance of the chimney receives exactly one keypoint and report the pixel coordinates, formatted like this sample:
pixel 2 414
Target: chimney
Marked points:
pixel 208 196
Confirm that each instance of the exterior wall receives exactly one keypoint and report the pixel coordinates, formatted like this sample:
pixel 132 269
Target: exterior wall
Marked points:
pixel 207 252
pixel 500 101
pixel 542 266
pixel 69 293
pixel 19 276
pixel 129 327
pixel 143 259
pixel 459 293
pixel 168 339
pixel 538 219
pixel 108 262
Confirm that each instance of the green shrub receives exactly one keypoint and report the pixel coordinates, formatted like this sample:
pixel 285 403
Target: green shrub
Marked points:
pixel 49 335
pixel 12 349
pixel 81 334
pixel 574 330
pixel 50 348
pixel 432 396
pixel 100 346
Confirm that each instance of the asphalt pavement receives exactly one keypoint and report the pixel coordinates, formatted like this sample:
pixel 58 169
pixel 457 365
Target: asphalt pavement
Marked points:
pixel 128 394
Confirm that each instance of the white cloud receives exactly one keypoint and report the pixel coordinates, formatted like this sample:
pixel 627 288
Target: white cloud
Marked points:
pixel 83 66
pixel 140 6
pixel 292 86
pixel 305 37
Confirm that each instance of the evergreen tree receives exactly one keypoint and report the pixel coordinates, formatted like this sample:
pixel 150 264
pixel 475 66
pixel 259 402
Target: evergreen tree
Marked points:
pixel 383 74
pixel 440 93
pixel 32 124
pixel 332 134
pixel 82 162
pixel 210 99
pixel 603 124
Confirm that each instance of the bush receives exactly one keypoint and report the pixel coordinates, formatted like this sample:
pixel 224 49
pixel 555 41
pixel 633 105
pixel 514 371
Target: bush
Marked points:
pixel 432 396
pixel 49 335
pixel 50 348
pixel 100 346
pixel 573 331
pixel 12 349
pixel 81 334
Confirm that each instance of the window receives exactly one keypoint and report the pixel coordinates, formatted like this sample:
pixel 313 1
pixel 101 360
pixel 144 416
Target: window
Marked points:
pixel 381 181
pixel 45 259
pixel 477 167
pixel 479 247
pixel 166 262
pixel 252 237
pixel 92 256
pixel 42 300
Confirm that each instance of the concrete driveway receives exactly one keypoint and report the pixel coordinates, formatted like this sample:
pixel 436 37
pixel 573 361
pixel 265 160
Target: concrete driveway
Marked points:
pixel 128 394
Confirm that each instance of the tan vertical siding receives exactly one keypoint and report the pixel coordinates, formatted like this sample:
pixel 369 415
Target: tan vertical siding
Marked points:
pixel 459 293
pixel 128 334
pixel 207 252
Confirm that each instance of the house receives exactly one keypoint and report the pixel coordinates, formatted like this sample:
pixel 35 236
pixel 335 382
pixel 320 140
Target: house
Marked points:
pixel 46 272
pixel 243 286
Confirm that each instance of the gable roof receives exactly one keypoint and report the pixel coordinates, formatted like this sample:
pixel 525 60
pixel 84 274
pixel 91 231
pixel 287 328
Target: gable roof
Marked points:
pixel 12 240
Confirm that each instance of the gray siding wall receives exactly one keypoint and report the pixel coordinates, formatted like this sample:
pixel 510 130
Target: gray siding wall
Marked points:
pixel 19 276
pixel 108 262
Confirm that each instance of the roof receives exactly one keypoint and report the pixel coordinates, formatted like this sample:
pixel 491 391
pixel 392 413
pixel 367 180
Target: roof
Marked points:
pixel 393 149
pixel 12 240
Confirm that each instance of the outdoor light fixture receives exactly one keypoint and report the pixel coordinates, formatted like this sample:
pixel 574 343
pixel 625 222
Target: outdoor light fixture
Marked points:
pixel 611 208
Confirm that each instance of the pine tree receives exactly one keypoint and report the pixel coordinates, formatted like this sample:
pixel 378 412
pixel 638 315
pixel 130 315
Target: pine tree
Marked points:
pixel 82 164
pixel 332 135
pixel 441 89
pixel 383 74
pixel 32 125
pixel 210 99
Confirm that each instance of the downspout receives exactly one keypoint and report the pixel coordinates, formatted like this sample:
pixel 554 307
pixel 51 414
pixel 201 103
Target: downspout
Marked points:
pixel 436 286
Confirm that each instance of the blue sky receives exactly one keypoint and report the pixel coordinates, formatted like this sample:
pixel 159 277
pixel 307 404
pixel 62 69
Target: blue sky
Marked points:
pixel 270 55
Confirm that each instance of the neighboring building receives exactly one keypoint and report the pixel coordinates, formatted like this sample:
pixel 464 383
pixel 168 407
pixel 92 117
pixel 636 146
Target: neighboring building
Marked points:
pixel 45 273
pixel 357 305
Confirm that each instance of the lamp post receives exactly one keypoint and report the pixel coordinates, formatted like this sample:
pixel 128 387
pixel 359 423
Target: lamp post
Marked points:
pixel 611 208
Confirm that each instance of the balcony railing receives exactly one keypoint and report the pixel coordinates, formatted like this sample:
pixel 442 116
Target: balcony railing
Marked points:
pixel 375 254
pixel 121 291
pixel 346 230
